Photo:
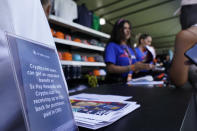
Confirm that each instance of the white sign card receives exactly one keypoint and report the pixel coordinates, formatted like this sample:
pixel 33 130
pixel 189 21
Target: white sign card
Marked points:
pixel 41 85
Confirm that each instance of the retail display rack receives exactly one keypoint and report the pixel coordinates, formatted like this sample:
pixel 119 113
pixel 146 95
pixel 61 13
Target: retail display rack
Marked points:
pixel 83 30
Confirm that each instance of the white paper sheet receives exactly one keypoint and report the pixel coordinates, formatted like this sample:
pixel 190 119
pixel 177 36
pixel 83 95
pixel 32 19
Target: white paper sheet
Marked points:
pixel 145 83
pixel 97 97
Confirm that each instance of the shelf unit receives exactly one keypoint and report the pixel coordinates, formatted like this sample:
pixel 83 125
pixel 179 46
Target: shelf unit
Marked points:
pixel 74 26
pixel 77 44
pixel 80 28
pixel 81 63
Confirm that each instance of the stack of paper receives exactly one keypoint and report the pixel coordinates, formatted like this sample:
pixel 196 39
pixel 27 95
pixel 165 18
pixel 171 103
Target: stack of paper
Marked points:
pixel 146 80
pixel 95 111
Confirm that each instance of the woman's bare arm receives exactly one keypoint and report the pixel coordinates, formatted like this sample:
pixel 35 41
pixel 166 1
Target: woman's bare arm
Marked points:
pixel 179 70
pixel 117 69
pixel 138 66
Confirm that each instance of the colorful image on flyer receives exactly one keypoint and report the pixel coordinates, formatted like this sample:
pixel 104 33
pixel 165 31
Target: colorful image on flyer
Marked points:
pixel 96 107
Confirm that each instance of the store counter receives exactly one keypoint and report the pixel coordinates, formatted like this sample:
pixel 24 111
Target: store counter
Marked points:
pixel 162 109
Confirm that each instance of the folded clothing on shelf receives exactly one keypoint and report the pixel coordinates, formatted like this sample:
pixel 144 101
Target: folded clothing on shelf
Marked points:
pixel 77 40
pixel 53 32
pixel 102 44
pixel 99 59
pixel 66 56
pixel 85 42
pixel 95 22
pixel 68 37
pixel 84 58
pixel 59 35
pixel 94 42
pixel 76 57
pixel 60 55
pixel 84 16
pixel 96 72
pixel 66 9
pixel 91 59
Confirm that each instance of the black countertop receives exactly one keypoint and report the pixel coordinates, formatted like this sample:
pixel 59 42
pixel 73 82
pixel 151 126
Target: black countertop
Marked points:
pixel 162 109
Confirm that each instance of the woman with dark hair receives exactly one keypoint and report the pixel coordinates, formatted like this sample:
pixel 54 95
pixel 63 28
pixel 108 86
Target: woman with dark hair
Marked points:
pixel 141 50
pixel 185 39
pixel 143 53
pixel 119 56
